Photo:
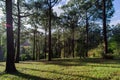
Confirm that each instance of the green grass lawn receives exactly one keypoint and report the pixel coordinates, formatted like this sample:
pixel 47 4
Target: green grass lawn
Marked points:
pixel 65 69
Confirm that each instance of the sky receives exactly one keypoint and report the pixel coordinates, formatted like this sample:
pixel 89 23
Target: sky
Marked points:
pixel 116 17
pixel 1 13
pixel 114 20
pixel 57 9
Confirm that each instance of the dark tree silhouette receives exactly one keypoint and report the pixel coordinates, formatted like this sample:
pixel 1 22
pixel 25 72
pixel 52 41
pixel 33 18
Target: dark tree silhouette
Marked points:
pixel 10 66
pixel 50 50
pixel 104 28
pixel 87 34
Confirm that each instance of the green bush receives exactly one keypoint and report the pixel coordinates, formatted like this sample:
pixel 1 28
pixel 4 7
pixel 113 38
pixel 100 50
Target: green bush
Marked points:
pixel 24 57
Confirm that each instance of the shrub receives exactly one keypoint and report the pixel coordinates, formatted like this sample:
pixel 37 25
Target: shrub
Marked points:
pixel 24 57
pixel 108 56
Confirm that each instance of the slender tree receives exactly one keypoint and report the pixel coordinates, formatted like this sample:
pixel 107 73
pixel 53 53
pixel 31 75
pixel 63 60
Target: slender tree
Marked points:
pixel 10 66
pixel 49 39
pixel 34 42
pixel 20 14
pixel 105 11
pixel 51 4
pixel 18 32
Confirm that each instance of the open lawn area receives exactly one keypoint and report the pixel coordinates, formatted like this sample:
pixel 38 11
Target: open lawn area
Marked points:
pixel 65 69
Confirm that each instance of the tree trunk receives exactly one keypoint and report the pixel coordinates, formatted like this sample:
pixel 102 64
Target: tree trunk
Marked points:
pixel 40 46
pixel 69 46
pixel 34 42
pixel 18 34
pixel 45 43
pixel 36 47
pixel 104 29
pixel 58 51
pixel 15 47
pixel 50 51
pixel 57 46
pixel 73 41
pixel 10 66
pixel 64 43
pixel 87 25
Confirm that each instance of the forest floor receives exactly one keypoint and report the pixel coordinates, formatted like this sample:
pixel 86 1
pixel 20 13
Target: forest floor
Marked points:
pixel 65 69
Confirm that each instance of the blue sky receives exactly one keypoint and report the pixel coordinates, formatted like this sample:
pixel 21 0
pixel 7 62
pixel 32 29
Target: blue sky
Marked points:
pixel 116 17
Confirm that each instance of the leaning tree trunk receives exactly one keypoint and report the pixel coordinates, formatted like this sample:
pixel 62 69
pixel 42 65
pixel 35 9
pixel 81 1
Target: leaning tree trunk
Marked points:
pixel 104 29
pixel 10 66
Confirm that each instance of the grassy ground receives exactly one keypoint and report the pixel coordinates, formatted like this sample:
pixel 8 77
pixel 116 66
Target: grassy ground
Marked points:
pixel 65 69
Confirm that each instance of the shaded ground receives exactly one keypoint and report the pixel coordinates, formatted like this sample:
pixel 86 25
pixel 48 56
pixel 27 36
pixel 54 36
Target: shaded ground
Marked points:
pixel 65 69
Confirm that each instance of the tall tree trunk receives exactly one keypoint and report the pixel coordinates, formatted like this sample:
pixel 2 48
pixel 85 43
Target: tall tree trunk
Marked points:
pixel 73 55
pixel 15 47
pixel 57 46
pixel 36 47
pixel 50 50
pixel 45 43
pixel 58 51
pixel 64 42
pixel 69 46
pixel 18 34
pixel 104 28
pixel 87 25
pixel 34 42
pixel 10 66
pixel 40 46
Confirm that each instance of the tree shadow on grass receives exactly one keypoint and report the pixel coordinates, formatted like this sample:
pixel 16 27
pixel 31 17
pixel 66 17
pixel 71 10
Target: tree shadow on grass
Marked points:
pixel 25 76
pixel 100 60
pixel 66 74
pixel 59 63
pixel 2 73
pixel 93 62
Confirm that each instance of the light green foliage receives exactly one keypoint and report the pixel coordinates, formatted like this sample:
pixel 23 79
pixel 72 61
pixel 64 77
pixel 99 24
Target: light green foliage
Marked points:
pixel 114 42
pixel 2 40
pixel 65 69
pixel 96 52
